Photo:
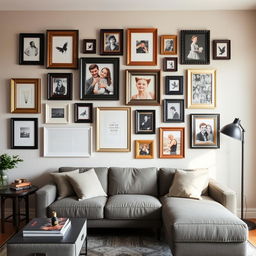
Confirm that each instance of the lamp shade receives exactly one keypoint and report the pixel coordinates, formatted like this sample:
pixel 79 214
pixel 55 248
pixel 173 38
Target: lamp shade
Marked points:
pixel 234 130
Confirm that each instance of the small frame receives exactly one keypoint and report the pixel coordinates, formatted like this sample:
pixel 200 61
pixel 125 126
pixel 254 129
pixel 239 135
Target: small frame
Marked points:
pixel 170 64
pixel 221 50
pixel 173 111
pixel 83 113
pixel 31 49
pixel 24 133
pixel 99 78
pixel 144 149
pixel 62 49
pixel 141 46
pixel 174 85
pixel 195 47
pixel 57 113
pixel 59 86
pixel 89 46
pixel 111 41
pixel 172 143
pixel 201 88
pixel 145 122
pixel 168 44
pixel 204 130
pixel 25 95
pixel 143 87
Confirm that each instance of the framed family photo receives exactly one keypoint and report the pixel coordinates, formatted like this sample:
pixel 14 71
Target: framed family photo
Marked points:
pixel 204 130
pixel 99 78
pixel 89 46
pixel 83 113
pixel 174 85
pixel 170 64
pixel 144 149
pixel 168 44
pixel 221 50
pixel 173 111
pixel 142 46
pixel 145 121
pixel 111 41
pixel 57 113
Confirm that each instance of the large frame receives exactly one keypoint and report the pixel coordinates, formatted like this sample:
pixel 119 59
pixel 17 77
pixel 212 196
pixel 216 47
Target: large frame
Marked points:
pixel 57 113
pixel 144 149
pixel 221 49
pixel 173 111
pixel 168 45
pixel 145 121
pixel 111 41
pixel 83 113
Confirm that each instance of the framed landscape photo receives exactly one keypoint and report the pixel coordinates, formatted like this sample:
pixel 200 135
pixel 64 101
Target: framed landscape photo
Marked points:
pixel 111 41
pixel 83 113
pixel 144 149
pixel 195 47
pixel 57 113
pixel 221 50
pixel 204 130
pixel 174 85
pixel 170 64
pixel 31 49
pixel 168 45
pixel 89 46
pixel 62 49
pixel 145 121
pixel 99 78
pixel 173 111
pixel 142 46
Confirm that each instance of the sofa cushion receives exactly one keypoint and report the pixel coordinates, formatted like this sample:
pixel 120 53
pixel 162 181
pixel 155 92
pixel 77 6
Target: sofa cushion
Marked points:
pixel 133 207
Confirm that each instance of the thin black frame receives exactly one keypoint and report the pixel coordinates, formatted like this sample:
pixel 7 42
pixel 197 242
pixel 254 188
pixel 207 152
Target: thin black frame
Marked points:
pixel 214 49
pixel 165 105
pixel 90 119
pixel 93 41
pixel 145 111
pixel 169 78
pixel 175 59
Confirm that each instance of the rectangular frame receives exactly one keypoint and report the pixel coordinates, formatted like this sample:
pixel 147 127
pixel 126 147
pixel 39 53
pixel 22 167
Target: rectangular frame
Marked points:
pixel 178 84
pixel 57 120
pixel 117 45
pixel 144 153
pixel 219 53
pixel 170 49
pixel 178 117
pixel 91 48
pixel 147 123
pixel 170 67
pixel 89 118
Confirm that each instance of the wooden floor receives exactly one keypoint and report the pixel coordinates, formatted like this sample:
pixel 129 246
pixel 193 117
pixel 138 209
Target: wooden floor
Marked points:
pixel 252 235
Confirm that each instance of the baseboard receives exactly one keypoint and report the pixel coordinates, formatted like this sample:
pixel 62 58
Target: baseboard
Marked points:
pixel 250 213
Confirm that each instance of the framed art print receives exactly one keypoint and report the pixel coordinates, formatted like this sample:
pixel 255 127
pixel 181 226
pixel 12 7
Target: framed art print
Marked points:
pixel 173 111
pixel 89 46
pixel 170 64
pixel 142 46
pixel 168 45
pixel 174 85
pixel 57 113
pixel 221 50
pixel 111 41
pixel 62 49
pixel 145 121
pixel 144 149
pixel 83 113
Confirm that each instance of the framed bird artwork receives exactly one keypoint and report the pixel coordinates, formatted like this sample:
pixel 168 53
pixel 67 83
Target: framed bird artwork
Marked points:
pixel 221 50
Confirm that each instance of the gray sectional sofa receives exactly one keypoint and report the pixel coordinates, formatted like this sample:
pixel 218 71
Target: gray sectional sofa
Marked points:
pixel 136 199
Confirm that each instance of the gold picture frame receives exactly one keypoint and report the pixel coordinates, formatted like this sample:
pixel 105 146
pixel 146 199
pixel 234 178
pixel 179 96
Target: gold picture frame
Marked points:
pixel 168 45
pixel 144 149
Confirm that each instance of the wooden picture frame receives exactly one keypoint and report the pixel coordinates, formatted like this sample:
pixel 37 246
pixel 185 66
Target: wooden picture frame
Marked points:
pixel 168 44
pixel 89 46
pixel 83 113
pixel 173 111
pixel 221 49
pixel 111 41
pixel 144 149
pixel 174 85
pixel 170 64
pixel 57 113
pixel 145 121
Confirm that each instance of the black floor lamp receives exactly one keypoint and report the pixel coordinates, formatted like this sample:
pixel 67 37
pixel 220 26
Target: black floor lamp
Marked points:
pixel 236 131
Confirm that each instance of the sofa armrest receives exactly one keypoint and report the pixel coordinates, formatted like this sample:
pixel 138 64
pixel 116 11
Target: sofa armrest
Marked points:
pixel 223 195
pixel 45 196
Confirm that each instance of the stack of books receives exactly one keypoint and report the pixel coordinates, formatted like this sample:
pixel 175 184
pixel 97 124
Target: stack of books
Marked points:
pixel 21 186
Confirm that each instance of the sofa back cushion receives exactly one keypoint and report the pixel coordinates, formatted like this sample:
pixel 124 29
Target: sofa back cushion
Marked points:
pixel 132 181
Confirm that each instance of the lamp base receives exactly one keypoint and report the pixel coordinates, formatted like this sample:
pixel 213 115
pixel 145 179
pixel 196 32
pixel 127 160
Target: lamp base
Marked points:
pixel 251 225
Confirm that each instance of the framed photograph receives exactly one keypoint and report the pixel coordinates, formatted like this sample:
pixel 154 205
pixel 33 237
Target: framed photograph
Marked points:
pixel 168 44
pixel 170 64
pixel 142 46
pixel 25 95
pixel 62 49
pixel 204 130
pixel 89 46
pixel 145 121
pixel 24 133
pixel 221 50
pixel 111 41
pixel 173 111
pixel 67 142
pixel 172 143
pixel 83 113
pixel 57 113
pixel 59 86
pixel 143 87
pixel 174 85
pixel 201 88
pixel 31 49
pixel 99 78
pixel 144 149
pixel 195 47
pixel 113 129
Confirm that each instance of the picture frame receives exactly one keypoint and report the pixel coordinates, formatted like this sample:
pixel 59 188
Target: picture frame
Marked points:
pixel 221 49
pixel 90 69
pixel 24 133
pixel 168 136
pixel 141 47
pixel 174 85
pixel 173 111
pixel 195 47
pixel 170 64
pixel 111 41
pixel 59 86
pixel 168 44
pixel 205 131
pixel 113 129
pixel 144 149
pixel 62 49
pixel 57 113
pixel 201 88
pixel 145 121
pixel 83 113
pixel 89 46
pixel 31 49
pixel 143 86
pixel 25 95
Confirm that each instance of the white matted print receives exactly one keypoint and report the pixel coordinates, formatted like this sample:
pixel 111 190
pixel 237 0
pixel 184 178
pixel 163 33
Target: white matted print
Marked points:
pixel 25 95
pixel 31 51
pixel 57 113
pixel 62 49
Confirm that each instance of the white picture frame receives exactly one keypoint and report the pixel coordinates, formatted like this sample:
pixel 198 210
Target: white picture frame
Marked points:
pixel 57 113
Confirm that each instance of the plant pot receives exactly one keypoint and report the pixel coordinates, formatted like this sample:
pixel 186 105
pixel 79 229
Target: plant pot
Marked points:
pixel 4 179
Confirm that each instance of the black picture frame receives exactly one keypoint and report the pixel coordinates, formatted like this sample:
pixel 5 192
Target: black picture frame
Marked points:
pixel 150 126
pixel 89 46
pixel 221 49
pixel 64 91
pixel 89 119
pixel 24 132
pixel 170 64
pixel 170 105
pixel 199 52
pixel 26 49
pixel 174 85
pixel 86 87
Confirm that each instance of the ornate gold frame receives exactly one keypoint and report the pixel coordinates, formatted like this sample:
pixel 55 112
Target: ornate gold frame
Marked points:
pixel 137 149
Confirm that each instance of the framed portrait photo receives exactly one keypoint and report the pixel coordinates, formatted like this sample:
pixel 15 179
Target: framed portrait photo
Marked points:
pixel 221 49
pixel 145 121
pixel 59 86
pixel 62 49
pixel 174 85
pixel 143 87
pixel 83 113
pixel 172 143
pixel 142 46
pixel 204 130
pixel 111 41
pixel 24 133
pixel 31 49
pixel 57 113
pixel 144 149
pixel 195 47
pixel 168 44
pixel 89 46
pixel 170 64
pixel 99 78
pixel 201 88
pixel 173 111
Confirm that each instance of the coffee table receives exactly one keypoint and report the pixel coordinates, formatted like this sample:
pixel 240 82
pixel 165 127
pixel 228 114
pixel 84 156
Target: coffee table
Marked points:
pixel 69 245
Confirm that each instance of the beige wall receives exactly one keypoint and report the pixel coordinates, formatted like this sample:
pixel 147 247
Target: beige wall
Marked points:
pixel 236 89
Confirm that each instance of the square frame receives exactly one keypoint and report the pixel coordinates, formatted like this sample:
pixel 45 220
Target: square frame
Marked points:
pixel 177 117
pixel 138 128
pixel 62 118
pixel 144 153
pixel 168 79
pixel 170 68
pixel 105 48
pixel 76 113
pixel 217 51
pixel 89 49
pixel 170 50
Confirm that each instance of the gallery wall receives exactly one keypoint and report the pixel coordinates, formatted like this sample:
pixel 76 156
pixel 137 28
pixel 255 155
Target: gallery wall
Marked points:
pixel 236 90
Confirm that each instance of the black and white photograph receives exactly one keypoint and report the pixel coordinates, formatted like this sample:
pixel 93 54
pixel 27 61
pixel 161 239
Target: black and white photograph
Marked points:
pixel 111 42
pixel 83 112
pixel 57 113
pixel 170 64
pixel 174 85
pixel 173 111
pixel 89 46
pixel 168 44
pixel 221 49
pixel 24 132
pixel 145 122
